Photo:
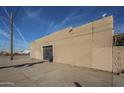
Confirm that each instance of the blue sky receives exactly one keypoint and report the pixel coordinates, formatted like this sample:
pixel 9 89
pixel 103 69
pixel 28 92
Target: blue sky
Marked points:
pixel 31 23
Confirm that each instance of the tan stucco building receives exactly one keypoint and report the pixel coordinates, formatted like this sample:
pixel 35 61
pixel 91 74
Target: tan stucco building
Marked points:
pixel 88 45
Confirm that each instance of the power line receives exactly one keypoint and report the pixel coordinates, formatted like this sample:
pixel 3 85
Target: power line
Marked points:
pixel 17 29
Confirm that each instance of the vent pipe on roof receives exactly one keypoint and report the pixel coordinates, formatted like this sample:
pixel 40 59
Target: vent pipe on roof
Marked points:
pixel 70 29
pixel 104 15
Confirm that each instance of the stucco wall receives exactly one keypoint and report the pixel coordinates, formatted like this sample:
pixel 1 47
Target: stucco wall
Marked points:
pixel 75 51
pixel 36 51
pixel 89 45
pixel 102 44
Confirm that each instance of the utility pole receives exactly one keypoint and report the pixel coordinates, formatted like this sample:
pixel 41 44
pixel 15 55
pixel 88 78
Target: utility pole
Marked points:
pixel 11 35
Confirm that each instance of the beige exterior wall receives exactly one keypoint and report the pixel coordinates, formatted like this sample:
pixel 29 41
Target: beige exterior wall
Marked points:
pixel 75 51
pixel 89 45
pixel 35 51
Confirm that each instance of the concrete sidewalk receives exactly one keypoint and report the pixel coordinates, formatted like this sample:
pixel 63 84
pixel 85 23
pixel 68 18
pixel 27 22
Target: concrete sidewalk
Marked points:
pixel 54 75
pixel 18 60
pixel 50 75
pixel 118 80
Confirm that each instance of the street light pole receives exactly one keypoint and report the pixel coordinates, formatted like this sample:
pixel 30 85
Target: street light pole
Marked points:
pixel 11 36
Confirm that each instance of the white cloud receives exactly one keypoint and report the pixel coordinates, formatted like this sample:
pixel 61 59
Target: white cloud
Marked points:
pixel 70 16
pixel 19 32
pixel 50 26
pixel 4 8
pixel 67 19
pixel 18 43
pixel 33 14
pixel 4 34
pixel 17 29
